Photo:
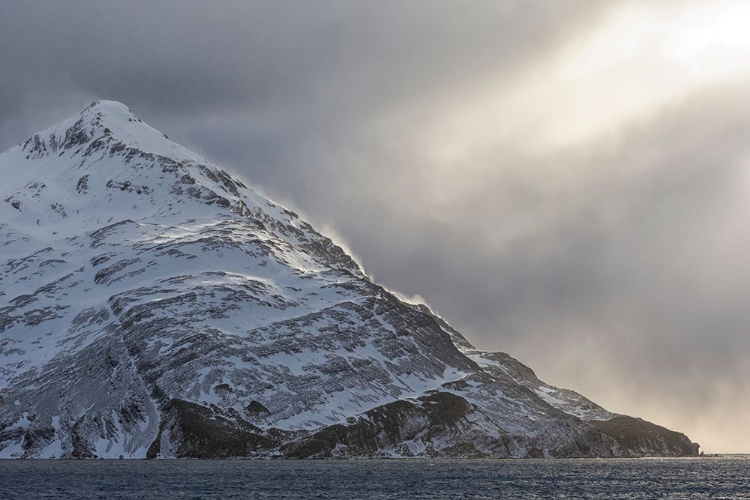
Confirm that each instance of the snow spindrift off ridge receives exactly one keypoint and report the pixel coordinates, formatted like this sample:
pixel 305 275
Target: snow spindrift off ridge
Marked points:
pixel 153 306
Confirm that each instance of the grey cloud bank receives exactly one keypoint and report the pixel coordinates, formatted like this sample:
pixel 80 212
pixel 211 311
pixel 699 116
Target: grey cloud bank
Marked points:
pixel 615 265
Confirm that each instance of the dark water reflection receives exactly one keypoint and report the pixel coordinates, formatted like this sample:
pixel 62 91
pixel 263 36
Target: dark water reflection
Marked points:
pixel 724 477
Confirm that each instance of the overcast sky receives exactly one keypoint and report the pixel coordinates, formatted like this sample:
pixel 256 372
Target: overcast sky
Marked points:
pixel 565 181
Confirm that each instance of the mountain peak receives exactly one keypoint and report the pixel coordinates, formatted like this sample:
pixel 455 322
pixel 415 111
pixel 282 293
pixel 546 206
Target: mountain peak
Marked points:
pixel 108 114
pixel 105 107
pixel 102 124
pixel 104 158
pixel 105 165
pixel 108 105
pixel 153 305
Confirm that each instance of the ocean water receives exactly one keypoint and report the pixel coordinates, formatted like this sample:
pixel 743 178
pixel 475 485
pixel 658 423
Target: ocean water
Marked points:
pixel 723 477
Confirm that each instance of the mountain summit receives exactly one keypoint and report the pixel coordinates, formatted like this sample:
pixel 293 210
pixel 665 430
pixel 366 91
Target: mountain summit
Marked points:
pixel 151 305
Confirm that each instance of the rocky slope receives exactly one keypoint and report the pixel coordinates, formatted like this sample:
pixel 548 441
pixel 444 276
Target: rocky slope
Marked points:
pixel 153 306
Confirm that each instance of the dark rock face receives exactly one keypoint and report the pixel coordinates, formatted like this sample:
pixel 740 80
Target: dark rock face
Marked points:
pixel 637 438
pixel 438 422
pixel 153 306
pixel 202 433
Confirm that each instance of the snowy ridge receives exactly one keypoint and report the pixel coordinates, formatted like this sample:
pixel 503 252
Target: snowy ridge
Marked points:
pixel 152 305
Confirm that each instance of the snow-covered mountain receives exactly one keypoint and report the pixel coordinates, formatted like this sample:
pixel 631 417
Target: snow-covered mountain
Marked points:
pixel 153 306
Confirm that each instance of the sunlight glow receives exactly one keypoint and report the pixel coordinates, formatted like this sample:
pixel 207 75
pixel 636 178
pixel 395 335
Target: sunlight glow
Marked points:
pixel 643 58
pixel 711 41
pixel 707 39
pixel 640 60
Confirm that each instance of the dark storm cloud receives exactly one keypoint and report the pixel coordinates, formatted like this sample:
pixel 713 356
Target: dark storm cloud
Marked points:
pixel 615 263
pixel 280 58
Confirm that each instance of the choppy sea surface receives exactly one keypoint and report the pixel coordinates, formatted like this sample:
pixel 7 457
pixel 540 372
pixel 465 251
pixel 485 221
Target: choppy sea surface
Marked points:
pixel 721 477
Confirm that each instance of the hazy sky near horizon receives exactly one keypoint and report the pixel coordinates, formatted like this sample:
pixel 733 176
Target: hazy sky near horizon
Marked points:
pixel 567 181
